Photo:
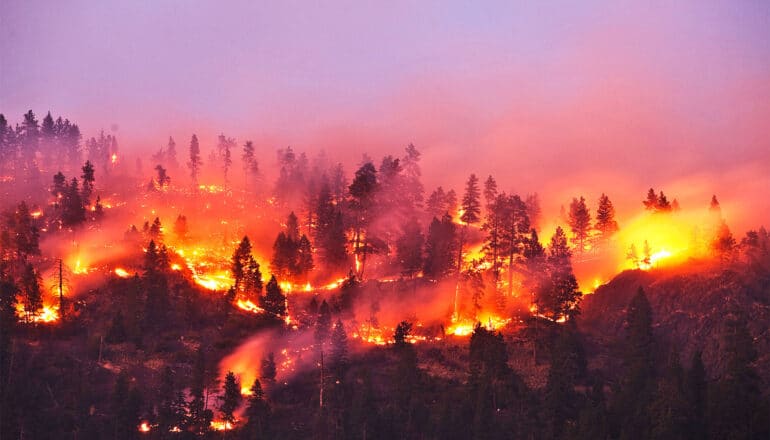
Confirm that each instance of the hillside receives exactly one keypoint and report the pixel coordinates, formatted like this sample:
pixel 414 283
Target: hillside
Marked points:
pixel 689 308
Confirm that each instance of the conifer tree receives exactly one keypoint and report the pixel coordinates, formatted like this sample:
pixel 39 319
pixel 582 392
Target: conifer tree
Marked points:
pixel 579 222
pixel 605 218
pixel 274 300
pixel 195 162
pixel 257 412
pixel 409 248
pixel 230 399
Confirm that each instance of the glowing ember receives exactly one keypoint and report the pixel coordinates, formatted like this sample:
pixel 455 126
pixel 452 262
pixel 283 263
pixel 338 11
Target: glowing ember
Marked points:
pixel 220 425
pixel 465 327
pixel 46 315
pixel 79 268
pixel 249 306
pixel 144 427
pixel 122 272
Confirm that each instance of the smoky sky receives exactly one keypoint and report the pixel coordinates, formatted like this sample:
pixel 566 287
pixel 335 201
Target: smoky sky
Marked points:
pixel 579 96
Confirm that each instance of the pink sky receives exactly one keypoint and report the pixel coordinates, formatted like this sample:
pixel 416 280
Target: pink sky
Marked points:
pixel 564 98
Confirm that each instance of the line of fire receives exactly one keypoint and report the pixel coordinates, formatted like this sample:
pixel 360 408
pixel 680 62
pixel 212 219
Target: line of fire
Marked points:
pixel 224 289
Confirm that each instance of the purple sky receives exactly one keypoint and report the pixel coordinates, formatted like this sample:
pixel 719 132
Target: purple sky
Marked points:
pixel 615 96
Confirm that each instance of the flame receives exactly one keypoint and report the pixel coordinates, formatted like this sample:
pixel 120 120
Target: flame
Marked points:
pixel 79 268
pixel 249 306
pixel 221 425
pixel 46 315
pixel 114 158
pixel 465 327
pixel 144 427
pixel 36 213
pixel 119 271
pixel 212 189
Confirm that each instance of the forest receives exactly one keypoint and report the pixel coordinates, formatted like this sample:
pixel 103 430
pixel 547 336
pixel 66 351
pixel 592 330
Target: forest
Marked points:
pixel 216 288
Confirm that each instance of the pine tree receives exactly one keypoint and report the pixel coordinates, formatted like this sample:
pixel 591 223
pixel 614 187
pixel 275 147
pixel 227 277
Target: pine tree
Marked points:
pixel 245 269
pixel 180 228
pixel 471 205
pixel 73 208
pixel 304 258
pixel 195 162
pixel 414 190
pixel 171 160
pixel 30 287
pixel 557 294
pixel 162 179
pixel 514 225
pixel 230 399
pixel 88 182
pixel 651 203
pixel 362 196
pixel 274 300
pixel 605 218
pixel 436 205
pixel 440 248
pixel 250 163
pixel 330 239
pixel 227 159
pixel 199 417
pixel 323 325
pixel 534 212
pixel 257 413
pixel 579 222
pixel 267 370
pixel 490 192
pixel 714 206
pixel 338 360
pixel 409 248
pixel 663 204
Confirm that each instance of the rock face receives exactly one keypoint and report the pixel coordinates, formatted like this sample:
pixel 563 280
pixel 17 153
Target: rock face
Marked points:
pixel 689 308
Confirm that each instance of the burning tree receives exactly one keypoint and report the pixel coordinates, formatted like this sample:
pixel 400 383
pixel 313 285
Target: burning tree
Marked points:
pixel 195 162
pixel 579 222
pixel 605 219
pixel 230 399
pixel 274 301
pixel 246 275
pixel 558 295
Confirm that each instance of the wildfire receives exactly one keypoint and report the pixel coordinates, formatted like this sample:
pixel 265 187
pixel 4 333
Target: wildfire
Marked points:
pixel 464 327
pixel 46 315
pixel 114 159
pixel 212 189
pixel 79 268
pixel 221 425
pixel 249 306
pixel 144 427
pixel 119 271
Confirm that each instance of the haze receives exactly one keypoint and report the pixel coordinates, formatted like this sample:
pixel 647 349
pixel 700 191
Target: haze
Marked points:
pixel 547 96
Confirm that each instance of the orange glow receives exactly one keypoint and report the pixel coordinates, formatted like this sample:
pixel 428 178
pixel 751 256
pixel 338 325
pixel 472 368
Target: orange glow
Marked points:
pixel 465 327
pixel 249 306
pixel 119 271
pixel 46 315
pixel 144 427
pixel 79 268
pixel 220 425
